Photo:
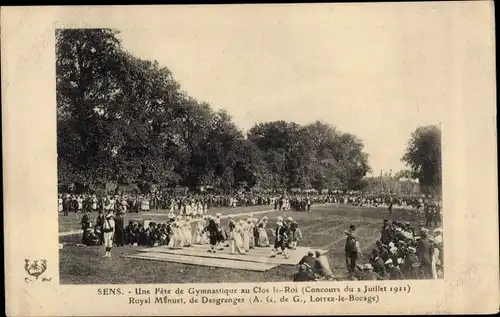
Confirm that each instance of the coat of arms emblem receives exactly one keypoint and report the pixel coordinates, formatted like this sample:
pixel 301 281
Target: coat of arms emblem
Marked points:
pixel 35 268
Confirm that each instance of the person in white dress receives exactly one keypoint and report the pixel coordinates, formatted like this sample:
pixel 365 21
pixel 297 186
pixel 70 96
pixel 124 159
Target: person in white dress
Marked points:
pixel 246 237
pixel 176 240
pixel 263 240
pixel 436 252
pixel 188 236
pixel 59 203
pixel 250 233
pixel 124 205
pixel 199 232
pixel 199 209
pixel 79 200
pixel 94 203
pixel 172 206
pixel 145 204
pixel 109 232
pixel 239 237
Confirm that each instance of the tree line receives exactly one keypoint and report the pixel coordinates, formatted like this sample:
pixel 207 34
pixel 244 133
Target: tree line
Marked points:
pixel 126 120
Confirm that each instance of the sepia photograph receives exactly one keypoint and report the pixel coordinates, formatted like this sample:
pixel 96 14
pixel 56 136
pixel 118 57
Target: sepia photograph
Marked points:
pixel 178 173
pixel 254 159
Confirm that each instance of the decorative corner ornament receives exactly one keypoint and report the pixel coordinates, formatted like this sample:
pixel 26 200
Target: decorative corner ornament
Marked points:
pixel 35 269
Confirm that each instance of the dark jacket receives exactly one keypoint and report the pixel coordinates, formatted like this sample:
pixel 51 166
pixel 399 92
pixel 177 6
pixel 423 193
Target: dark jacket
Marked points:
pixel 350 246
pixel 395 273
pixel 378 266
pixel 424 251
pixel 370 276
pixel 309 260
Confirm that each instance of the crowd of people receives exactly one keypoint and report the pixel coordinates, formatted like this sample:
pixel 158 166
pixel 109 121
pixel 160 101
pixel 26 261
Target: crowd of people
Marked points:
pixel 199 203
pixel 191 205
pixel 178 232
pixel 402 252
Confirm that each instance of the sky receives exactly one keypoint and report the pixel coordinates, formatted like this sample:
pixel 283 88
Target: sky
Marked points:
pixel 372 71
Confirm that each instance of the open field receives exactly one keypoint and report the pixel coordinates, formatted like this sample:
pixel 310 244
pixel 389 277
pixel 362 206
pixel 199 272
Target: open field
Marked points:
pixel 323 228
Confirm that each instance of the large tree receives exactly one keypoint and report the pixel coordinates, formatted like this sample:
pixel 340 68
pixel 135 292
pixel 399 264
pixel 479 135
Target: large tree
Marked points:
pixel 423 157
pixel 126 120
pixel 315 155
pixel 109 102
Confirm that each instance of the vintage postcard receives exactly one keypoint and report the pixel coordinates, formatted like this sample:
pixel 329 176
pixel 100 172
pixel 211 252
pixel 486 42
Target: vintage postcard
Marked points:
pixel 313 159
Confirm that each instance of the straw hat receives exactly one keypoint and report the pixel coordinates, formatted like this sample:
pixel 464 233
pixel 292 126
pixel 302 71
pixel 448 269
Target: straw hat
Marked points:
pixel 367 267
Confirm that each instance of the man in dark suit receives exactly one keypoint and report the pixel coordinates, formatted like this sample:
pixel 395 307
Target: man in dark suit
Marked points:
pixel 383 251
pixel 351 251
pixel 377 263
pixel 394 271
pixel 369 274
pixel 424 255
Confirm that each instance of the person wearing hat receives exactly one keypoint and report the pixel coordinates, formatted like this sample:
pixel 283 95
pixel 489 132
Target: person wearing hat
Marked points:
pixel 352 251
pixel 357 274
pixel 282 240
pixel 186 232
pixel 383 250
pixel 66 205
pixel 131 233
pixel 386 233
pixel 306 268
pixel 377 263
pixel 60 203
pixel 437 255
pixel 411 268
pixel 93 202
pixel 322 267
pixel 119 238
pixel 398 234
pixel 109 231
pixel 250 232
pixel 176 237
pixel 99 224
pixel 198 232
pixel 255 231
pixel 296 234
pixel 213 233
pixel 408 228
pixel 368 274
pixel 262 228
pixel 90 238
pixel 220 231
pixel 238 235
pixel 309 259
pixel 424 254
pixel 85 222
pixel 393 271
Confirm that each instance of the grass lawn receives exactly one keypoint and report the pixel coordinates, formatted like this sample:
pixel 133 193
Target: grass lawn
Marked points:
pixel 322 228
